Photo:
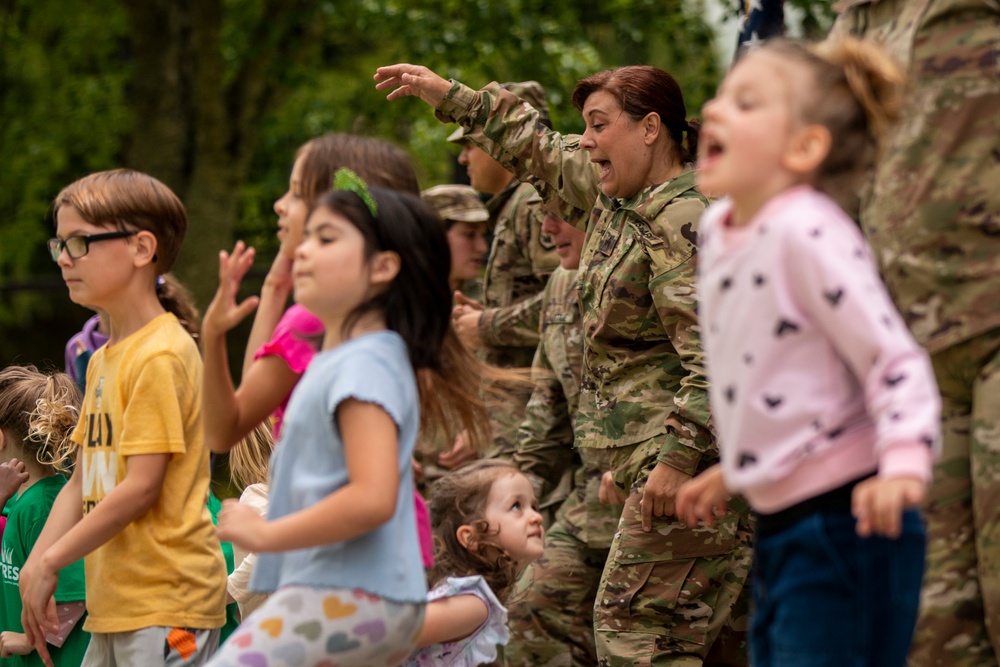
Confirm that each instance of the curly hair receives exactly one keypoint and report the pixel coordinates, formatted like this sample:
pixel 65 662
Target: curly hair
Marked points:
pixel 459 499
pixel 40 411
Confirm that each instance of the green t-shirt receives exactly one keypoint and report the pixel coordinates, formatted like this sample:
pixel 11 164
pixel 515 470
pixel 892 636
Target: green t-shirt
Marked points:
pixel 24 525
pixel 232 609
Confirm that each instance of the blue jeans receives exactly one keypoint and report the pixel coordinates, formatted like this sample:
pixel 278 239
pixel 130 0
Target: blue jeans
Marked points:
pixel 824 597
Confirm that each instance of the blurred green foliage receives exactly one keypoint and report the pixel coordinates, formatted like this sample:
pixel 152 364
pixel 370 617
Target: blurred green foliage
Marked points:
pixel 214 97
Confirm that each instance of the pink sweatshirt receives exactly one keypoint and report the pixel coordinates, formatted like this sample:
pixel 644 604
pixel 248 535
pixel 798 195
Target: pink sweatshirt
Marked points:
pixel 814 377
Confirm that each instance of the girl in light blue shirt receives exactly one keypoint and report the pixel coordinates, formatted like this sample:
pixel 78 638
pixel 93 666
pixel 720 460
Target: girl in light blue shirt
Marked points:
pixel 339 546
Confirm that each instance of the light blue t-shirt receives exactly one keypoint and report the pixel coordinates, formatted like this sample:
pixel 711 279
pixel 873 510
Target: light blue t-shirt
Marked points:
pixel 308 465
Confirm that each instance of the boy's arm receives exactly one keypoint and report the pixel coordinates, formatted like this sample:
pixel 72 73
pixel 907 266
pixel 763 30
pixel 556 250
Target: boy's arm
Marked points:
pixel 124 504
pixel 68 537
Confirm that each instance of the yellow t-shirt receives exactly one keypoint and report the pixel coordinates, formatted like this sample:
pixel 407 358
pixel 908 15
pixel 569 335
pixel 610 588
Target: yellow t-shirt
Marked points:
pixel 166 567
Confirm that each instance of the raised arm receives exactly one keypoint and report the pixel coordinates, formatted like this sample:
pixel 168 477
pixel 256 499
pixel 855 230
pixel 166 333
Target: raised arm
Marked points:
pixel 274 295
pixel 230 414
pixel 507 128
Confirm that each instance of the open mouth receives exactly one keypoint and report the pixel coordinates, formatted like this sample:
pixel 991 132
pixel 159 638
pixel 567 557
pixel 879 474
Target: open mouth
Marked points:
pixel 709 151
pixel 605 168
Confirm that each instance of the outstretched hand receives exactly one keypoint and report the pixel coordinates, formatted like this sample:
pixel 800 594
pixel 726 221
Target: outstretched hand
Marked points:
pixel 224 313
pixel 412 80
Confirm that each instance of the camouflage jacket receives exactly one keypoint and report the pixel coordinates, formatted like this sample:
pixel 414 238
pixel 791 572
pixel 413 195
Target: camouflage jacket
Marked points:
pixel 932 215
pixel 545 450
pixel 643 376
pixel 519 265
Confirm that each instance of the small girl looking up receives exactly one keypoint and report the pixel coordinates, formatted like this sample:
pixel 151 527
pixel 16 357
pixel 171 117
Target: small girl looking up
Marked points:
pixel 38 413
pixel 135 505
pixel 488 528
pixel 827 409
pixel 339 546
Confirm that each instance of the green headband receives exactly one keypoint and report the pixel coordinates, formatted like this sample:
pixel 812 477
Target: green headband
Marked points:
pixel 345 179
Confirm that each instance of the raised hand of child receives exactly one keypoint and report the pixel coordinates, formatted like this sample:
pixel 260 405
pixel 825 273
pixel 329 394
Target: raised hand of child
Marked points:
pixel 878 504
pixel 224 313
pixel 279 276
pixel 12 476
pixel 702 498
pixel 241 525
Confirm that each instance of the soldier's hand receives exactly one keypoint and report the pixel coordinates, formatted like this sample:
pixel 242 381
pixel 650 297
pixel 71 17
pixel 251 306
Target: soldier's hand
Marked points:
pixel 461 453
pixel 465 321
pixel 660 493
pixel 413 80
pixel 878 504
pixel 609 493
pixel 460 299
pixel 703 498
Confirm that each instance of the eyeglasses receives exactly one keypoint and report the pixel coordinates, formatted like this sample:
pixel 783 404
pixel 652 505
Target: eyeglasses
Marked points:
pixel 78 246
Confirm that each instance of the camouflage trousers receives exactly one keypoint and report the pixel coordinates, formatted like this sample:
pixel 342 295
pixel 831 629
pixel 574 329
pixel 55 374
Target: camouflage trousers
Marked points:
pixel 959 624
pixel 665 596
pixel 551 613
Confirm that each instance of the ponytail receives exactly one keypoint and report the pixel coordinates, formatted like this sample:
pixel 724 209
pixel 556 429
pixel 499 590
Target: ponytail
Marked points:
pixel 692 132
pixel 873 79
pixel 176 299
pixel 857 95
pixel 40 411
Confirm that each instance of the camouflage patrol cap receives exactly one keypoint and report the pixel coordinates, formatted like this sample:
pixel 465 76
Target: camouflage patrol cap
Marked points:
pixel 531 92
pixel 456 203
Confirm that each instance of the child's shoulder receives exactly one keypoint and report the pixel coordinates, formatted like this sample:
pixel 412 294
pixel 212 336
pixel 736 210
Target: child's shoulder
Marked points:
pixel 470 585
pixel 162 344
pixel 371 350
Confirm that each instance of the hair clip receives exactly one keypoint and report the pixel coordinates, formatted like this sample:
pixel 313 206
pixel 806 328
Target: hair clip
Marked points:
pixel 159 283
pixel 345 179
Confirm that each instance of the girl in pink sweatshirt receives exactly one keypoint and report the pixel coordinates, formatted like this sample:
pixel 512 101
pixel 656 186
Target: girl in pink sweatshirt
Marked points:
pixel 827 410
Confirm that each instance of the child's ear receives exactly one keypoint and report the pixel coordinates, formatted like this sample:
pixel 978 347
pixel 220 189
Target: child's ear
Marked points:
pixel 808 148
pixel 464 534
pixel 145 248
pixel 385 267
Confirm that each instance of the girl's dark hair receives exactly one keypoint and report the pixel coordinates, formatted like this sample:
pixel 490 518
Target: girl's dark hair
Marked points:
pixel 459 499
pixel 377 162
pixel 130 200
pixel 856 95
pixel 40 411
pixel 417 305
pixel 641 90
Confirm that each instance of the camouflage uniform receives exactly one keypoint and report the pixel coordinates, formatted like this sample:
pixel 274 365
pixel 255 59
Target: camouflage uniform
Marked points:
pixel 664 595
pixel 520 262
pixel 453 203
pixel 933 219
pixel 551 619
